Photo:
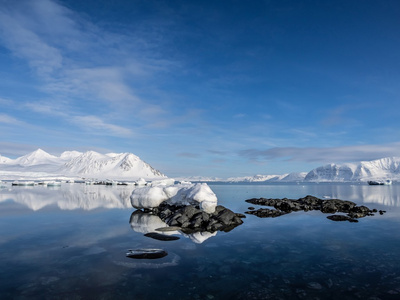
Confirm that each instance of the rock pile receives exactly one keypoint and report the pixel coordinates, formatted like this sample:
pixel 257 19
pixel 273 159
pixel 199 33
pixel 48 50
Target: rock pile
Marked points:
pixel 191 218
pixel 332 206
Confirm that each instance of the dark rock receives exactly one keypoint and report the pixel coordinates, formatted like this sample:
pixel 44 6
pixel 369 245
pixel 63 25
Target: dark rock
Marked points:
pixel 161 237
pixel 191 219
pixel 146 253
pixel 266 213
pixel 284 206
pixel 342 218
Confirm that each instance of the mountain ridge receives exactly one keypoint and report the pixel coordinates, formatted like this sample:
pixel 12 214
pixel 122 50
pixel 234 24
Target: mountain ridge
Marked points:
pixel 127 166
pixel 90 164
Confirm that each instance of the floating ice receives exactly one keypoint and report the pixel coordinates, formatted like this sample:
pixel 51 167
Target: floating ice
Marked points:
pixel 177 194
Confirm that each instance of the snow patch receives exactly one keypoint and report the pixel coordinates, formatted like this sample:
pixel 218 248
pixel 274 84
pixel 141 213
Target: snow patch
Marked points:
pixel 177 194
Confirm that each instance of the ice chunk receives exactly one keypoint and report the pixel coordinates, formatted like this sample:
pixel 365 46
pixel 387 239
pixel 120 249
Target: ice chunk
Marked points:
pixel 168 181
pixel 177 194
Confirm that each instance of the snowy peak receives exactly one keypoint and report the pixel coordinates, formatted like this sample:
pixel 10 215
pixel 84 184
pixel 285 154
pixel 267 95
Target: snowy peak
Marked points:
pixel 123 165
pixel 4 160
pixel 68 155
pixel 380 169
pixel 257 178
pixel 37 157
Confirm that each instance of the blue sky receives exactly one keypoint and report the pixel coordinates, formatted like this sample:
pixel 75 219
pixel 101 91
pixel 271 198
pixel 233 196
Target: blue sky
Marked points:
pixel 203 88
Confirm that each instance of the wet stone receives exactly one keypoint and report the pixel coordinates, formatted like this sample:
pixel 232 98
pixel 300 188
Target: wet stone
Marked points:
pixel 146 253
pixel 284 206
pixel 191 218
pixel 342 218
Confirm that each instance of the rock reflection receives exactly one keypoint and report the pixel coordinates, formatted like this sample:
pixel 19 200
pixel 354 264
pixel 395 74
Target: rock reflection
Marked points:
pixel 146 222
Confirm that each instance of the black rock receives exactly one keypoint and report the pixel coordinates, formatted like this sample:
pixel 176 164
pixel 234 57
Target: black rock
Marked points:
pixel 146 253
pixel 284 206
pixel 342 218
pixel 191 218
pixel 266 213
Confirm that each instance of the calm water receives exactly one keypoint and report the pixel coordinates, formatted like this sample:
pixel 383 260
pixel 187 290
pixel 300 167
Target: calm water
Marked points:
pixel 70 243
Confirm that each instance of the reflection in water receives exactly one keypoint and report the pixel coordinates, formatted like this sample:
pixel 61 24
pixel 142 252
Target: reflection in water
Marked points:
pixel 147 223
pixel 88 197
pixel 70 196
pixel 388 195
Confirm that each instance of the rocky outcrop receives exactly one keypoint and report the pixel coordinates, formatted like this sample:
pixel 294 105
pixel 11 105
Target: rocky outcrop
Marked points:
pixel 332 206
pixel 191 218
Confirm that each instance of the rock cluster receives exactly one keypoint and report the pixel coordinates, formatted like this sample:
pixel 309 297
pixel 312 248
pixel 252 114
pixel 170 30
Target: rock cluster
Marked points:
pixel 285 206
pixel 191 218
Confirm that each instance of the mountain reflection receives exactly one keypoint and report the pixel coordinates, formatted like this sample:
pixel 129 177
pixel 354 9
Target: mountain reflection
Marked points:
pixel 70 196
pixel 384 195
pixel 89 197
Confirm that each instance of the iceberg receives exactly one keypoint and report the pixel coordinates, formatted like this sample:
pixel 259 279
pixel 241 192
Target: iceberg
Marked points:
pixel 175 194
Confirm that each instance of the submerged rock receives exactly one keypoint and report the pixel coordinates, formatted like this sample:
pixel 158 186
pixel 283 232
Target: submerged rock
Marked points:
pixel 342 218
pixel 161 237
pixel 146 253
pixel 285 206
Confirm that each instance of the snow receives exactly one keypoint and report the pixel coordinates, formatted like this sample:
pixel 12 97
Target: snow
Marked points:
pixel 68 155
pixel 185 194
pixel 256 178
pixel 380 169
pixel 4 160
pixel 35 158
pixel 74 164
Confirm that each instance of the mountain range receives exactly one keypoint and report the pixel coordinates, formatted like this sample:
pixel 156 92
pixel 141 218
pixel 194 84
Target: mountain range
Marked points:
pixel 127 166
pixel 380 169
pixel 74 164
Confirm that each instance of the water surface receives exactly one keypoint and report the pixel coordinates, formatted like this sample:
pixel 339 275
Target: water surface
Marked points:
pixel 70 243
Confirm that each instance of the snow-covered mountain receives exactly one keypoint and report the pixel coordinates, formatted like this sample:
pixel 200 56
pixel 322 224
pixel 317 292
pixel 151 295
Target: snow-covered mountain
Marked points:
pixel 380 169
pixel 257 178
pixel 37 157
pixel 4 159
pixel 125 166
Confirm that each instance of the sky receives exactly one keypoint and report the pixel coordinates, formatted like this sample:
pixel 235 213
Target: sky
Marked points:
pixel 203 88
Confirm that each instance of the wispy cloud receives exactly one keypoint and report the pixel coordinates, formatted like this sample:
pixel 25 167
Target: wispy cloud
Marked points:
pixel 6 119
pixel 82 65
pixel 97 125
pixel 328 154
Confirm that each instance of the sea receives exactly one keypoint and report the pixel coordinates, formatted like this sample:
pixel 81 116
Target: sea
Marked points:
pixel 70 242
